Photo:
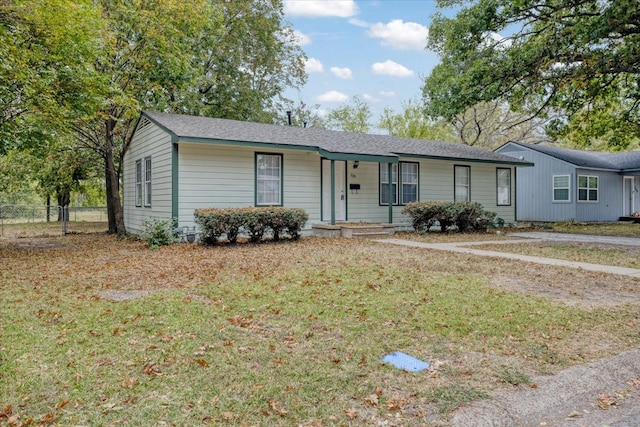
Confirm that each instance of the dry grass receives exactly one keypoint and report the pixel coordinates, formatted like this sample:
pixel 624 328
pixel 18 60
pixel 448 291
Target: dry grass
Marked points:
pixel 622 256
pixel 604 229
pixel 100 331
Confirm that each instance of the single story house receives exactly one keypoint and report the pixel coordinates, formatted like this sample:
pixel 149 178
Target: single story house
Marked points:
pixel 178 163
pixel 578 185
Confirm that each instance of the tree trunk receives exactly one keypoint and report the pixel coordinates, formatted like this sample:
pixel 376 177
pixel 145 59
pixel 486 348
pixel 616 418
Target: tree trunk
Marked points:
pixel 64 198
pixel 114 205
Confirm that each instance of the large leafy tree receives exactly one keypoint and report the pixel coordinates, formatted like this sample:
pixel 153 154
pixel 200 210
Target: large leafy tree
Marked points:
pixel 353 116
pixel 245 65
pixel 47 49
pixel 566 57
pixel 412 122
pixel 205 57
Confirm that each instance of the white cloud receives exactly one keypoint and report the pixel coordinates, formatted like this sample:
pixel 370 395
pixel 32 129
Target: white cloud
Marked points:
pixel 301 38
pixel 359 23
pixel 343 73
pixel 313 65
pixel 496 38
pixel 370 98
pixel 400 35
pixel 321 8
pixel 387 94
pixel 333 96
pixel 390 68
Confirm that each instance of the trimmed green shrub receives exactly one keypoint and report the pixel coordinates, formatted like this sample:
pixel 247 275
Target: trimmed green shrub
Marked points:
pixel 211 223
pixel 159 232
pixel 255 222
pixel 464 216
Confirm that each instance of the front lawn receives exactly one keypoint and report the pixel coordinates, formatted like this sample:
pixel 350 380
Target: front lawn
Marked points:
pixel 278 334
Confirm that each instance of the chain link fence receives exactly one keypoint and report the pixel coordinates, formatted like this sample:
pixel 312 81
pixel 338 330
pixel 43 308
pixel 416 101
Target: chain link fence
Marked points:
pixel 34 221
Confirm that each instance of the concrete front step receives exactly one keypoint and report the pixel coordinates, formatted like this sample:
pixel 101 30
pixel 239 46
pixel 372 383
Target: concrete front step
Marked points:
pixel 370 235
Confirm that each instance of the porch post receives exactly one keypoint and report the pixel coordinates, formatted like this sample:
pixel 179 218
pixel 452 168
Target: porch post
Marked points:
pixel 390 175
pixel 333 192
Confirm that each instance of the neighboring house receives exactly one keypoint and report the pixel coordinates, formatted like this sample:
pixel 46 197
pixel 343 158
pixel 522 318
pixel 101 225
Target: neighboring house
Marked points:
pixel 178 163
pixel 575 185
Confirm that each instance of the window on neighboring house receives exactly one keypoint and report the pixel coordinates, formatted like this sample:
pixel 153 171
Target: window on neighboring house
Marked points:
pixel 587 188
pixel 561 188
pixel 462 183
pixel 409 178
pixel 503 184
pixel 384 183
pixel 147 181
pixel 268 179
pixel 138 183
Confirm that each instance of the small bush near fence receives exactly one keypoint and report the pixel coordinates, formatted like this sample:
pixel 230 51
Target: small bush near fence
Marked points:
pixel 255 222
pixel 159 232
pixel 465 216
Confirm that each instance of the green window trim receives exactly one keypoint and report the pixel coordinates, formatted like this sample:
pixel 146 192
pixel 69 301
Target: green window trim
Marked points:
pixel 461 183
pixel 269 176
pixel 147 182
pixel 503 187
pixel 405 185
pixel 138 187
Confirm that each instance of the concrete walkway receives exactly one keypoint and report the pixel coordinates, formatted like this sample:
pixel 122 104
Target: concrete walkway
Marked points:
pixel 464 247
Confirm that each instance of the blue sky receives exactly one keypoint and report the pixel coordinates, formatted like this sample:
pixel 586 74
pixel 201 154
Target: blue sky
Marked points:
pixel 373 49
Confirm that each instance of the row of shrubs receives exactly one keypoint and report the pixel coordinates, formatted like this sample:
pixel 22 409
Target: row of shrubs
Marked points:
pixel 465 216
pixel 254 222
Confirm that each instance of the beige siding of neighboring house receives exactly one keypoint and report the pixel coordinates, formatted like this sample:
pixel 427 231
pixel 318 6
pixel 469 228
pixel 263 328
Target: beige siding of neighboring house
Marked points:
pixel 152 141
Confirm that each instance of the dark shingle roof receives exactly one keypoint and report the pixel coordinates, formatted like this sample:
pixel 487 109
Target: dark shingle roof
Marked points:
pixel 206 128
pixel 589 159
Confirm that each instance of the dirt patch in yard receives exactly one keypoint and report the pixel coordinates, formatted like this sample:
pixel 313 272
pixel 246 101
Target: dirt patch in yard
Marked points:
pixel 578 289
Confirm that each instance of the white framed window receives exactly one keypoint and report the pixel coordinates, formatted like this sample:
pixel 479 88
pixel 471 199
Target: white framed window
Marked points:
pixel 147 181
pixel 462 183
pixel 561 188
pixel 139 188
pixel 503 186
pixel 588 188
pixel 409 178
pixel 384 183
pixel 268 179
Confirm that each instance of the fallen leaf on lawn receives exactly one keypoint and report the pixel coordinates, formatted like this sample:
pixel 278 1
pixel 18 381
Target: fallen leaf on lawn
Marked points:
pixel 129 383
pixel 227 415
pixel 371 400
pixel 6 412
pixel 62 404
pixel 277 408
pixel 202 363
pixel 352 413
pixel 151 368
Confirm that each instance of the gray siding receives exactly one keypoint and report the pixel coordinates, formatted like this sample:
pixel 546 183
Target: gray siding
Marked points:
pixel 535 190
pixel 609 204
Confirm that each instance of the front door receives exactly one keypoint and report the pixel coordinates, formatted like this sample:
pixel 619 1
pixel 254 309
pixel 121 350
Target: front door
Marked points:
pixel 340 194
pixel 628 196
